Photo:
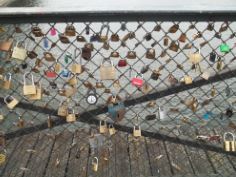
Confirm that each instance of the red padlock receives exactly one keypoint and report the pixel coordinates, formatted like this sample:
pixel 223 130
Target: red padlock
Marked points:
pixel 122 63
pixel 50 73
pixel 138 82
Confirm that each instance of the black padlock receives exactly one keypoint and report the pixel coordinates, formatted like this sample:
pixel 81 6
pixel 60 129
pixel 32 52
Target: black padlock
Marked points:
pixel 24 65
pixel 229 112
pixel 148 36
pixel 212 57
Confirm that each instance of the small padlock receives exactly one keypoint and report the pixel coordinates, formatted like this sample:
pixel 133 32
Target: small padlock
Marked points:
pixel 102 126
pixel 224 48
pixel 49 122
pixel 7 81
pixel 63 109
pixel 151 54
pixel 138 82
pixel 57 67
pixel 73 80
pixel 155 74
pixel 53 31
pixel 11 102
pixel 229 146
pixel 213 92
pixel 68 57
pixel 71 117
pixel 50 73
pixel 65 73
pixel 29 89
pixel 137 131
pixel 195 58
pixel 112 130
pixel 162 113
pixel 187 79
pixel 70 30
pixel 212 57
pixel 205 75
pixel 76 68
pixel 95 164
pixel 21 122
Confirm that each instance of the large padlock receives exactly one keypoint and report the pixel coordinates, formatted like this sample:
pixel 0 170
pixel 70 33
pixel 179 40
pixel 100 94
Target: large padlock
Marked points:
pixel 107 72
pixel 38 95
pixel 102 126
pixel 111 129
pixel 116 108
pixel 95 164
pixel 11 102
pixel 229 145
pixel 137 131
pixel 63 109
pixel 7 81
pixel 71 117
pixel 76 68
pixel 137 81
pixel 19 53
pixel 29 89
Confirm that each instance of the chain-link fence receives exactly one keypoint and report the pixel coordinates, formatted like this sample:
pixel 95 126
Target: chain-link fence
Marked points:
pixel 143 97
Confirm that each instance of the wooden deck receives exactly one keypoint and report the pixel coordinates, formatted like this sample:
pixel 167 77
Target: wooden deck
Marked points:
pixel 68 155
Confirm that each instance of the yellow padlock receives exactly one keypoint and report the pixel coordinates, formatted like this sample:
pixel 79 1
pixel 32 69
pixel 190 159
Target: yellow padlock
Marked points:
pixel 71 117
pixel 63 109
pixel 38 95
pixel 229 146
pixel 29 89
pixel 73 80
pixel 195 58
pixel 11 102
pixel 112 130
pixel 102 126
pixel 137 131
pixel 7 81
pixel 188 80
pixel 95 164
pixel 77 68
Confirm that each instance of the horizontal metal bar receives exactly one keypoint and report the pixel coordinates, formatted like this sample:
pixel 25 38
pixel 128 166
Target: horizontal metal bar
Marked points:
pixel 86 116
pixel 46 15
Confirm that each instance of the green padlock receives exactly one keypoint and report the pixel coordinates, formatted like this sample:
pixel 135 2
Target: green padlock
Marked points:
pixel 224 48
pixel 68 57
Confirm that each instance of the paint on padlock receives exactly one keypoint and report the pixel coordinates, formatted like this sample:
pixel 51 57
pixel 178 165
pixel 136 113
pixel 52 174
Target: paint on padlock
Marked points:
pixel 53 31
pixel 7 81
pixel 229 146
pixel 11 102
pixel 65 73
pixel 137 81
pixel 224 48
pixel 29 89
pixel 95 164
pixel 111 129
pixel 50 73
pixel 137 131
pixel 102 126
pixel 162 113
pixel 71 117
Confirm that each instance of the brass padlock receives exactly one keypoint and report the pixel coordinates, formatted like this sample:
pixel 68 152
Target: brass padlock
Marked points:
pixel 112 130
pixel 11 102
pixel 70 30
pixel 7 81
pixel 38 95
pixel 187 79
pixel 104 37
pixel 102 126
pixel 195 58
pixel 95 164
pixel 73 80
pixel 29 89
pixel 76 68
pixel 21 122
pixel 151 54
pixel 57 67
pixel 63 109
pixel 229 145
pixel 137 131
pixel 71 117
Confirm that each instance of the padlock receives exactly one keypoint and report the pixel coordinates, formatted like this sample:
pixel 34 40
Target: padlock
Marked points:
pixel 65 73
pixel 73 80
pixel 187 79
pixel 68 90
pixel 138 82
pixel 63 109
pixel 104 37
pixel 11 102
pixel 102 126
pixel 29 89
pixel 57 67
pixel 137 131
pixel 195 58
pixel 224 48
pixel 7 81
pixel 99 84
pixel 95 164
pixel 155 74
pixel 166 41
pixel 68 57
pixel 38 95
pixel 37 31
pixel 173 28
pixel 112 130
pixel 6 45
pixel 21 122
pixel 32 54
pixel 49 122
pixel 1 117
pixel 115 54
pixel 229 146
pixel 161 113
pixel 80 38
pixel 53 31
pixel 116 108
pixel 49 57
pixel 205 75
pixel 213 92
pixel 115 37
pixel 212 57
pixel 50 73
pixel 182 38
pixel 19 53
pixel 151 54
pixel 107 72
pixel 71 117
pixel 220 64
pixel 174 46
pixel 63 39
pixel 148 36
pixel 131 55
pixel 76 68
pixel 122 63
pixel 70 30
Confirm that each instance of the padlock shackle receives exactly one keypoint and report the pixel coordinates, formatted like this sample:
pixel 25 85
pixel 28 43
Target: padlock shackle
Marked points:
pixel 8 96
pixel 102 121
pixel 79 55
pixel 32 78
pixel 137 127
pixel 111 126
pixel 8 77
pixel 229 133
pixel 95 160
pixel 107 59
pixel 103 27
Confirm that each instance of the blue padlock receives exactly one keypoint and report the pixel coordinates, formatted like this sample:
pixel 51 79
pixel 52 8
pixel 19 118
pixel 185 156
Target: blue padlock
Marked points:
pixel 45 42
pixel 65 73
pixel 207 115
pixel 116 111
pixel 94 38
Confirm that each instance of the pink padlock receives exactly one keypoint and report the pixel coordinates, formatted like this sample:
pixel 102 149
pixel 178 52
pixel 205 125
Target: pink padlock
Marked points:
pixel 137 81
pixel 53 31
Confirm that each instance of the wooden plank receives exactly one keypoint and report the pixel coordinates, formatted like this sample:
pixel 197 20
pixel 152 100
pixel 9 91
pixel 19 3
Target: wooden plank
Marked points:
pixel 158 158
pixel 140 165
pixel 11 146
pixel 38 161
pixel 179 160
pixel 59 155
pixel 122 165
pixel 78 161
pixel 17 165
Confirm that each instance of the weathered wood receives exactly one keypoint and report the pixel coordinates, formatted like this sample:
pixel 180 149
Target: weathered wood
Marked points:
pixel 59 155
pixel 39 159
pixel 158 158
pixel 179 160
pixel 17 165
pixel 139 159
pixel 122 164
pixel 11 146
pixel 78 160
